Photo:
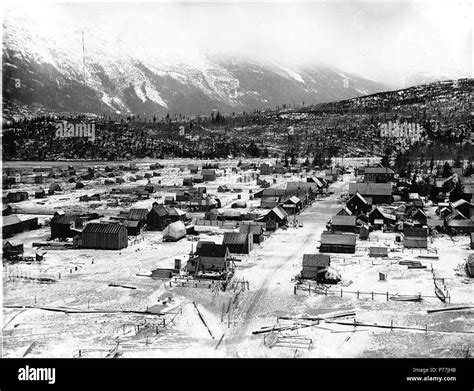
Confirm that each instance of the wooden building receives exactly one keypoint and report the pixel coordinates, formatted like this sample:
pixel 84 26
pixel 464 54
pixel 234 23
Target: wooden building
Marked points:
pixel 238 243
pixel 278 215
pixel 415 237
pixel 138 215
pixel 378 252
pixel 313 264
pixel 11 225
pixel 210 257
pixel 17 196
pixel 343 223
pixel 65 225
pixel 134 227
pixel 208 175
pixel 378 174
pixel 40 193
pixel 357 204
pixel 161 215
pixel 104 236
pixel 292 205
pixel 254 229
pixel 338 243
pixel 373 193
pixel 344 212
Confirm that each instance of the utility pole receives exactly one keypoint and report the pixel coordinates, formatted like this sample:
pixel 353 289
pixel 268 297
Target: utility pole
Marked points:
pixel 83 72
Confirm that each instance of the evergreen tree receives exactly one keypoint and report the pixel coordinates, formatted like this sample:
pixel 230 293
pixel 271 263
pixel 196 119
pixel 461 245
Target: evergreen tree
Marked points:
pixel 447 172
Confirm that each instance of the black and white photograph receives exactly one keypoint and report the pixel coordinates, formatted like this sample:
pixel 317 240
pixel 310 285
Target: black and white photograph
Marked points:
pixel 284 180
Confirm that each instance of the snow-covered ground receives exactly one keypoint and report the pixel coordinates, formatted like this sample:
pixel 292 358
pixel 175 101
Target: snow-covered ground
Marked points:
pixel 83 278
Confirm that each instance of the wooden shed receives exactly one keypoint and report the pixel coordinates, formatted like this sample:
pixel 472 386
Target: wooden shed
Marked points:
pixel 161 215
pixel 11 225
pixel 378 252
pixel 208 175
pixel 110 236
pixel 313 264
pixel 415 237
pixel 255 229
pixel 238 243
pixel 65 225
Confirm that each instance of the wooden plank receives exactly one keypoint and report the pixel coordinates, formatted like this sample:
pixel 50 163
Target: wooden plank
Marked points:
pixel 450 309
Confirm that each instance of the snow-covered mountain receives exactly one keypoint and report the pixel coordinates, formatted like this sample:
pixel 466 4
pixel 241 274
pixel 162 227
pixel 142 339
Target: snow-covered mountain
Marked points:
pixel 50 65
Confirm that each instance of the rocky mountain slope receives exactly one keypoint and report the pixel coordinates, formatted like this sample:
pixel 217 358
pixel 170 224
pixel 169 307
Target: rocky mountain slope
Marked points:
pixel 51 67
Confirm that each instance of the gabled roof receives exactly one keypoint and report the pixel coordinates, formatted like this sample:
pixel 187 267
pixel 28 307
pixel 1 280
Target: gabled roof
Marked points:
pixel 211 249
pixel 280 212
pixel 344 220
pixel 370 189
pixel 357 195
pixel 256 229
pixel 108 228
pixel 235 238
pixel 378 250
pixel 414 232
pixel 435 222
pixel 315 180
pixel 131 223
pixel 64 219
pixel 455 215
pixel 344 211
pixel 460 223
pixel 460 202
pixel 11 220
pixel 165 210
pixel 316 260
pixel 293 200
pixel 303 186
pixel 378 170
pixel 338 239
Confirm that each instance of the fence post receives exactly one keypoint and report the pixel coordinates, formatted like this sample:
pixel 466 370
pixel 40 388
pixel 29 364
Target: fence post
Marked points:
pixel 357 294
pixel 341 292
pixel 372 295
pixel 387 296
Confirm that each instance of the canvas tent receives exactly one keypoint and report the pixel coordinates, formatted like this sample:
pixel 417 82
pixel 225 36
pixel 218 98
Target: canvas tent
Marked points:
pixel 174 232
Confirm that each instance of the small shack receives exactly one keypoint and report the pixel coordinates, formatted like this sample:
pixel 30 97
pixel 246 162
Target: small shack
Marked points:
pixel 65 225
pixel 313 264
pixel 415 237
pixel 208 175
pixel 238 243
pixel 134 227
pixel 255 229
pixel 378 252
pixel 161 215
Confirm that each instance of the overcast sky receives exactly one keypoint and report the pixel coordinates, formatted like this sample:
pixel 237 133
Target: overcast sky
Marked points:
pixel 381 41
